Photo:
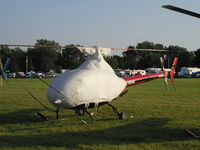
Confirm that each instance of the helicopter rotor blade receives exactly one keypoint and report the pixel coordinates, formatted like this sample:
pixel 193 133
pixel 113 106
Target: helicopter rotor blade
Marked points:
pixel 181 10
pixel 49 46
pixel 135 49
pixel 45 46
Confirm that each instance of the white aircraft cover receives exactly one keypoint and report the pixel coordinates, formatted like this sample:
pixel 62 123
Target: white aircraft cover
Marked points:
pixel 93 81
pixel 92 50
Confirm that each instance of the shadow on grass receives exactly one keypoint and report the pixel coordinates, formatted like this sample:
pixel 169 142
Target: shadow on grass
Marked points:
pixel 22 116
pixel 145 131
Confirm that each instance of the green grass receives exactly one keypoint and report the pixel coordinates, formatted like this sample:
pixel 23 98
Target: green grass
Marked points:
pixel 155 119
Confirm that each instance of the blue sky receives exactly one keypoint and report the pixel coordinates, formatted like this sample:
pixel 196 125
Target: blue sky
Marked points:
pixel 106 23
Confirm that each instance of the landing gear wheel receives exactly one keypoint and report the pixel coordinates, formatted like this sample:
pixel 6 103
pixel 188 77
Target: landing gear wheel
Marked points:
pixel 122 116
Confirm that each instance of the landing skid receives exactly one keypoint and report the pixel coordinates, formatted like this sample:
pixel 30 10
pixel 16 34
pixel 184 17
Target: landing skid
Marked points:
pixel 42 116
pixel 78 112
pixel 46 118
pixel 57 113
pixel 190 133
pixel 81 110
pixel 87 112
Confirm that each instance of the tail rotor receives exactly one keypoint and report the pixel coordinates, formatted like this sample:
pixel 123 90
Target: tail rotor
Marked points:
pixel 172 72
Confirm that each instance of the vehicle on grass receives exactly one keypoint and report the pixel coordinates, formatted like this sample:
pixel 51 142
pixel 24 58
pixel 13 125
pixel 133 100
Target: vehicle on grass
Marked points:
pixel 30 74
pixel 196 74
pixel 49 75
pixel 186 72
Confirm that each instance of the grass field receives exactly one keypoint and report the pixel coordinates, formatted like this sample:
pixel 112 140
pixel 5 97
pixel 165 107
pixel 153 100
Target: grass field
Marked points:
pixel 155 119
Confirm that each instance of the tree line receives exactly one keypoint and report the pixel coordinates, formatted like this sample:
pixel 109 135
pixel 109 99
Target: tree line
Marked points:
pixel 48 58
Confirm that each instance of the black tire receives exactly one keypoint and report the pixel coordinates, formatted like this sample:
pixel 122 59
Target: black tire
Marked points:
pixel 122 116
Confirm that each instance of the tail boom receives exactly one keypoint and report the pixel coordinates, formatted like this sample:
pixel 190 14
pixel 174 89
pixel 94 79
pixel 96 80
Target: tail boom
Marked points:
pixel 131 81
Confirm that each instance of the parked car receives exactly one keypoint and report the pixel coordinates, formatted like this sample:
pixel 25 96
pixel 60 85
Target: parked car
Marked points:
pixel 196 74
pixel 30 74
pixel 188 72
pixel 39 74
pixel 50 75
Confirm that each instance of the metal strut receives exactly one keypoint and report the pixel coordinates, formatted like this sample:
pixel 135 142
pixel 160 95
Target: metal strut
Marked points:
pixel 114 109
pixel 190 133
pixel 57 113
pixel 42 116
pixel 121 115
pixel 87 112
pixel 78 112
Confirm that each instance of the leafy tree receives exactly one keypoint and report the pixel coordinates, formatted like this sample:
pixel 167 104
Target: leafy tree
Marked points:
pixel 185 57
pixel 115 61
pixel 197 58
pixel 17 56
pixel 71 57
pixel 44 58
pixel 145 45
pixel 18 61
pixel 52 57
pixel 5 52
pixel 143 59
pixel 52 44
pixel 130 58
